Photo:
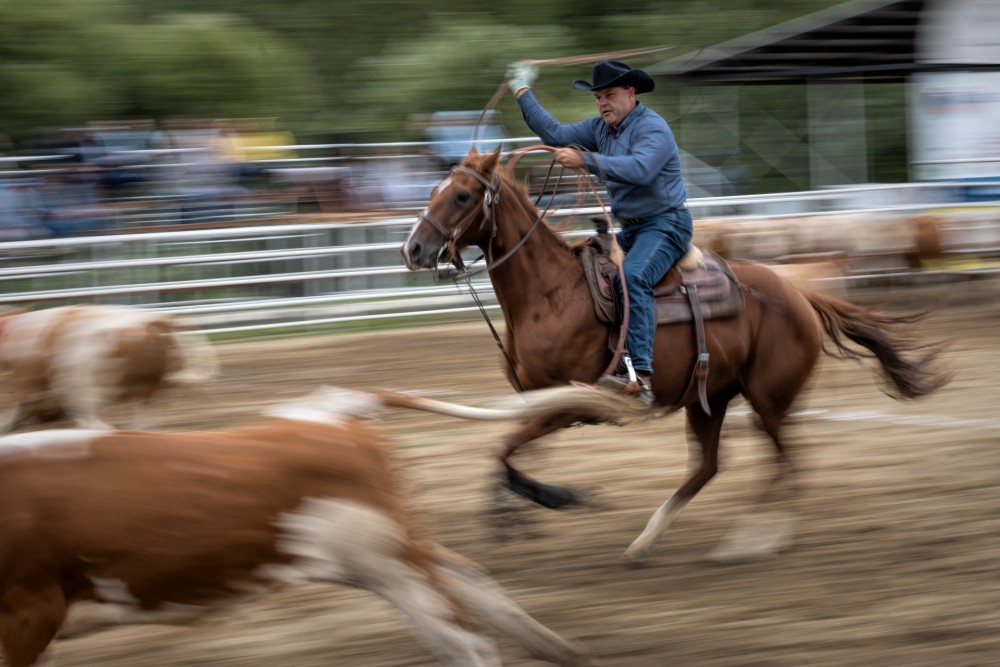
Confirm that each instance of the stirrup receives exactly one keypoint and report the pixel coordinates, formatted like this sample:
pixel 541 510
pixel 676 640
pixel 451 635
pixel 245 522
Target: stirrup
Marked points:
pixel 639 388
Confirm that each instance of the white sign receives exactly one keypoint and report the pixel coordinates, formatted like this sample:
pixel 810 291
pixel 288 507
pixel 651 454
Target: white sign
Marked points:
pixel 955 123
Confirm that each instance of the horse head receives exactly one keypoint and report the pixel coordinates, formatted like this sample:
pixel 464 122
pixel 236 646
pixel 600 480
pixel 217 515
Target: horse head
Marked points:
pixel 460 212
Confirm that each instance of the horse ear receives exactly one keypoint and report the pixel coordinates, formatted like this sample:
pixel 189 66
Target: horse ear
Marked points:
pixel 491 160
pixel 471 158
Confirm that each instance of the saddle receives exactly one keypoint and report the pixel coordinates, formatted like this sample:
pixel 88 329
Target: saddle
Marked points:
pixel 691 291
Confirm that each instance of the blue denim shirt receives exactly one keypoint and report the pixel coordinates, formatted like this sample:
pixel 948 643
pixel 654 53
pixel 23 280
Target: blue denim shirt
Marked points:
pixel 640 162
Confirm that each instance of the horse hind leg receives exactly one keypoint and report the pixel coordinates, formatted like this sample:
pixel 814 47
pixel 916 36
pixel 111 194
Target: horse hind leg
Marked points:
pixel 767 528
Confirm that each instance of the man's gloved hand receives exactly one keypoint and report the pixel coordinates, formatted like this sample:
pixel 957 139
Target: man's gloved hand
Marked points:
pixel 521 75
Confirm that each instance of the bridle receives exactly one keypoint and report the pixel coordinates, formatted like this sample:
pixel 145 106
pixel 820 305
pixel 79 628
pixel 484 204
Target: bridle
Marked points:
pixel 491 197
pixel 490 216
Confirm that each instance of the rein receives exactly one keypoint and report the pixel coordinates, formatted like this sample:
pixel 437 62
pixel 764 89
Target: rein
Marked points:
pixel 491 196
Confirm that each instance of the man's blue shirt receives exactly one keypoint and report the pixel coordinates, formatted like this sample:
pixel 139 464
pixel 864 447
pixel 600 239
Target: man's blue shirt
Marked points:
pixel 639 162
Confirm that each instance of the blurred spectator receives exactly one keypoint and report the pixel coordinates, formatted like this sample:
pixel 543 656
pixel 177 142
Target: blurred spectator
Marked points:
pixel 118 150
pixel 21 214
pixel 194 171
pixel 70 200
pixel 252 146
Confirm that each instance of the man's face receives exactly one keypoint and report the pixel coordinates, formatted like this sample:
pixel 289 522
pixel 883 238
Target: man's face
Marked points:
pixel 614 104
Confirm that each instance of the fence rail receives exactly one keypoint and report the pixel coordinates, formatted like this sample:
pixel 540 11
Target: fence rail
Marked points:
pixel 262 278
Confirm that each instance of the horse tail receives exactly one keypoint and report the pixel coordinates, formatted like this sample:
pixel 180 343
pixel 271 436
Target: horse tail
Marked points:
pixel 907 365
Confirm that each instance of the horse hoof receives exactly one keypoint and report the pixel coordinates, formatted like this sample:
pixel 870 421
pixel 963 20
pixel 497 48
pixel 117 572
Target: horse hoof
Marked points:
pixel 591 500
pixel 759 534
pixel 636 556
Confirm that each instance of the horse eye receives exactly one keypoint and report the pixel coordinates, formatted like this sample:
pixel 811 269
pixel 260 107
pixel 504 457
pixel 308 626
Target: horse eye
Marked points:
pixel 462 197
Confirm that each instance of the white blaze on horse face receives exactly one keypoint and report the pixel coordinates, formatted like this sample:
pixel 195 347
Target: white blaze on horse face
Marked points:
pixel 425 214
pixel 409 239
pixel 442 186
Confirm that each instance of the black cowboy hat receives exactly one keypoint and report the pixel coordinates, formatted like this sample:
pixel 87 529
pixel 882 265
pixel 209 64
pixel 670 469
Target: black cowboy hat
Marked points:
pixel 609 73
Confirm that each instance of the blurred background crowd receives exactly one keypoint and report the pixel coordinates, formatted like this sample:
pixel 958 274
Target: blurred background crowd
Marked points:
pixel 119 115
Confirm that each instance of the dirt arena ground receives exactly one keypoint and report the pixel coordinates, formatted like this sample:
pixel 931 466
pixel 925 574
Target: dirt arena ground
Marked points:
pixel 894 560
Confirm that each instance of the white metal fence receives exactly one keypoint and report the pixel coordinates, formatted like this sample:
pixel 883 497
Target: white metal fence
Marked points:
pixel 283 276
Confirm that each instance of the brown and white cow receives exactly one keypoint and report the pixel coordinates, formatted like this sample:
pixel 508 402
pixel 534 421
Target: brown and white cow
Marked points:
pixel 77 361
pixel 99 528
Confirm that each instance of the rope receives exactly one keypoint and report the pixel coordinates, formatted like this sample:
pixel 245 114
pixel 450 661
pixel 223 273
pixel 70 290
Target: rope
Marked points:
pixel 594 57
pixel 565 62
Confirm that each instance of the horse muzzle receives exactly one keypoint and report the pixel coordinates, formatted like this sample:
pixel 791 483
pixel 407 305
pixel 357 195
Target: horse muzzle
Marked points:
pixel 418 255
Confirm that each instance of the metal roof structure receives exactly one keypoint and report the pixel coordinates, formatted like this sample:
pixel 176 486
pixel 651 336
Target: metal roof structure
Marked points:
pixel 874 40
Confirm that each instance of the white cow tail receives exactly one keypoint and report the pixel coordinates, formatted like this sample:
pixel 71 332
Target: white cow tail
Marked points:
pixel 587 400
pixel 334 404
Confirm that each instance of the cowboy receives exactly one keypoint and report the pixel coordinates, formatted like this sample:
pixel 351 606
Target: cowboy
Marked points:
pixel 633 150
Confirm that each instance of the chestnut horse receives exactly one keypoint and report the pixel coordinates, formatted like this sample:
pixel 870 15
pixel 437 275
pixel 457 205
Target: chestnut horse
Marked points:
pixel 553 336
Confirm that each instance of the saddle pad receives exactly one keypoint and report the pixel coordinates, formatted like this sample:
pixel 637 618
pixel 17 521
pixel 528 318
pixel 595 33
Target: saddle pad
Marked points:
pixel 719 293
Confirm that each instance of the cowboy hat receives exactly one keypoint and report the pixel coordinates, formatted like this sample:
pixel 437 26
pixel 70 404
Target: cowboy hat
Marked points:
pixel 611 73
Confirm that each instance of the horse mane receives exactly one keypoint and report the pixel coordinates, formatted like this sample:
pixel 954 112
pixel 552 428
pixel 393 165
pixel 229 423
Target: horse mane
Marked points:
pixel 481 164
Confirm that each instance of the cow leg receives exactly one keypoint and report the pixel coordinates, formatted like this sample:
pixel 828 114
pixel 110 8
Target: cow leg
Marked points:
pixel 434 613
pixel 84 413
pixel 30 616
pixel 83 386
pixel 349 542
pixel 84 618
pixel 482 597
pixel 140 415
pixel 10 417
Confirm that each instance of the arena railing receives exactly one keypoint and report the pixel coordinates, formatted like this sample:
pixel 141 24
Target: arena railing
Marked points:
pixel 283 276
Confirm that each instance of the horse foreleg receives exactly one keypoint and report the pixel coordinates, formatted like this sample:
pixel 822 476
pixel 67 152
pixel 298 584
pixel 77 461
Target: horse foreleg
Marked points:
pixel 706 429
pixel 546 495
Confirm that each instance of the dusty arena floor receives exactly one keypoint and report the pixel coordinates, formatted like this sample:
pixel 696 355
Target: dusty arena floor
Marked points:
pixel 894 560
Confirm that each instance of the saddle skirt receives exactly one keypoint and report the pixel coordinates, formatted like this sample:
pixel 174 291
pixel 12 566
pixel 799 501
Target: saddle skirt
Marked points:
pixel 716 290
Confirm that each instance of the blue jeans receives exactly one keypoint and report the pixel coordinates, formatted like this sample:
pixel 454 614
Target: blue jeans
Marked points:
pixel 651 248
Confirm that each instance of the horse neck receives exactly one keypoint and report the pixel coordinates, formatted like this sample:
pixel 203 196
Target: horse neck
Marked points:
pixel 537 267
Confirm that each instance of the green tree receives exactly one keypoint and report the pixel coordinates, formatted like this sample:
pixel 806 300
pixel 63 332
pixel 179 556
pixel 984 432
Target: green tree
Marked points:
pixel 212 65
pixel 65 62
pixel 459 63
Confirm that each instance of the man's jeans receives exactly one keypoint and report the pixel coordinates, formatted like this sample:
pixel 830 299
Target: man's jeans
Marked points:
pixel 651 248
